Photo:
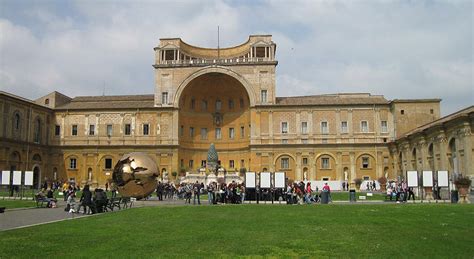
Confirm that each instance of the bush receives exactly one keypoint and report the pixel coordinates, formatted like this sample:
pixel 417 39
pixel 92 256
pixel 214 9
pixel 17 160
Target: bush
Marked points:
pixel 358 181
pixel 463 181
pixel 382 180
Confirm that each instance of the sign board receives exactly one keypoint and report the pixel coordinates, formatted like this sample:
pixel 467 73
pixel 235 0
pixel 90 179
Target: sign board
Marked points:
pixel 427 179
pixel 265 180
pixel 369 194
pixel 29 178
pixel 5 177
pixel 443 180
pixel 362 198
pixel 17 178
pixel 412 178
pixel 250 180
pixel 280 180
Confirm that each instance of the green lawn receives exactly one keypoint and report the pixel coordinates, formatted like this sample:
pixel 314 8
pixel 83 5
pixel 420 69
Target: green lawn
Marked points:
pixel 12 204
pixel 376 231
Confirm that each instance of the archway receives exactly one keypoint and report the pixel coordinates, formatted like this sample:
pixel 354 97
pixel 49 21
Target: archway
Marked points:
pixel 214 108
pixel 414 163
pixel 453 158
pixel 36 177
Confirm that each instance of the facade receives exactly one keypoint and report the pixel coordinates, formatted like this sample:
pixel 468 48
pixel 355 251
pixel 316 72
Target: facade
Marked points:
pixel 226 97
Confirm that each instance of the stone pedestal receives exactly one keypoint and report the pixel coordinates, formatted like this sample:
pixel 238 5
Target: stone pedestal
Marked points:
pixel 428 193
pixel 464 195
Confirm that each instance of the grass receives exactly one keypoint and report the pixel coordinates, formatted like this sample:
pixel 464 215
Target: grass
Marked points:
pixel 413 230
pixel 13 204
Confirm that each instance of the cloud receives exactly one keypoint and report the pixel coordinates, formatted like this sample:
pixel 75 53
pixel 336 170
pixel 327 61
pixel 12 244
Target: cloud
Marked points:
pixel 418 49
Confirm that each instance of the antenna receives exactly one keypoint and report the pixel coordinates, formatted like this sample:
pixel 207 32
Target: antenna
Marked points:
pixel 218 48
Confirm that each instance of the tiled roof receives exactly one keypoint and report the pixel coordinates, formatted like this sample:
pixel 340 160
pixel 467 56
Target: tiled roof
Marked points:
pixel 110 102
pixel 332 99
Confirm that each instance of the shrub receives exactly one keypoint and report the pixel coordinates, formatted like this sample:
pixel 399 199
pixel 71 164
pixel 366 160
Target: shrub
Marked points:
pixel 382 180
pixel 463 181
pixel 358 181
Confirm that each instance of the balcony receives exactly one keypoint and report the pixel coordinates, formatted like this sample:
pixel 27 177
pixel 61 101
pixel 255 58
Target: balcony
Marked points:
pixel 195 62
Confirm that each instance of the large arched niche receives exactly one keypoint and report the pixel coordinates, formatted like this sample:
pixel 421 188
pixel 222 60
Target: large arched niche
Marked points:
pixel 213 70
pixel 214 108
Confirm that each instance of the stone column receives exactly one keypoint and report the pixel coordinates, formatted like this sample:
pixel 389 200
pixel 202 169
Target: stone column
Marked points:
pixel 339 171
pixel 466 137
pixel 299 174
pixel 379 169
pixel 353 168
pixel 270 125
pixel 312 166
pixel 298 124
pixel 442 143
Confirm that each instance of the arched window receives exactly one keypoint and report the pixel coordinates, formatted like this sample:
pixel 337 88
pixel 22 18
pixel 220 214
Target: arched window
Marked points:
pixel 16 121
pixel 46 102
pixel 37 132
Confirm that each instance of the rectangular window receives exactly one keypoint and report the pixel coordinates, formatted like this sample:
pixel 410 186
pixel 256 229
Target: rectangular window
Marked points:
pixel 343 126
pixel 108 163
pixel 109 130
pixel 365 162
pixel 91 130
pixel 364 127
pixel 242 163
pixel 74 130
pixel 57 130
pixel 218 133
pixel 146 129
pixel 304 141
pixel 305 160
pixel 193 104
pixel 285 163
pixel 191 132
pixel 366 178
pixel 181 130
pixel 242 132
pixel 169 54
pixel 324 140
pixel 325 163
pixel 384 126
pixel 231 164
pixel 204 105
pixel 128 129
pixel 218 105
pixel 203 163
pixel 284 141
pixel 284 127
pixel 324 127
pixel 164 98
pixel 304 127
pixel 191 164
pixel 203 133
pixel 231 104
pixel 263 96
pixel 231 133
pixel 72 163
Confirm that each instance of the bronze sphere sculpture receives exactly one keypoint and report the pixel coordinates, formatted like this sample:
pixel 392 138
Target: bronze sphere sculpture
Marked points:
pixel 135 175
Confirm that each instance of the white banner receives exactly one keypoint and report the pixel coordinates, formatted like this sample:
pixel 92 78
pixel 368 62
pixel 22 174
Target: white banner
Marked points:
pixel 5 177
pixel 265 180
pixel 443 180
pixel 427 179
pixel 280 180
pixel 29 178
pixel 412 178
pixel 250 180
pixel 17 178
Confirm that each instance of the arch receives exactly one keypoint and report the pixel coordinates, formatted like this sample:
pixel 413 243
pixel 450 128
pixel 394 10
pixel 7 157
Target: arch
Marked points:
pixel 36 176
pixel 325 154
pixel 36 157
pixel 215 69
pixel 16 120
pixel 15 156
pixel 365 154
pixel 283 154
pixel 264 169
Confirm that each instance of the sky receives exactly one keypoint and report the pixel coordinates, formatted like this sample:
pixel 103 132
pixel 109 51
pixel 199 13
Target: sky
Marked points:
pixel 399 49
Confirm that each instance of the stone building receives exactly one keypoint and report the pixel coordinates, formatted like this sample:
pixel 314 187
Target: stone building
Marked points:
pixel 226 96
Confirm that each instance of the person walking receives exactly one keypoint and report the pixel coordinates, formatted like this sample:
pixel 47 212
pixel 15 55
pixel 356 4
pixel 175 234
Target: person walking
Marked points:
pixel 197 193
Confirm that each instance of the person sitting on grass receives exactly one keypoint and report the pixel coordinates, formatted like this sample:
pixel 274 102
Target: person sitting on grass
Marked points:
pixel 71 203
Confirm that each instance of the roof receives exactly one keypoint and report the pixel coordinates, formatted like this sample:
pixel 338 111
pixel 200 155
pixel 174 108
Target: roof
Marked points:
pixel 439 122
pixel 333 99
pixel 110 102
pixel 435 100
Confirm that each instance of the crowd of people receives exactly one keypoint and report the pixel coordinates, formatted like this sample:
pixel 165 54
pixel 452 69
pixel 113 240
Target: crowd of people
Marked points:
pixel 400 191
